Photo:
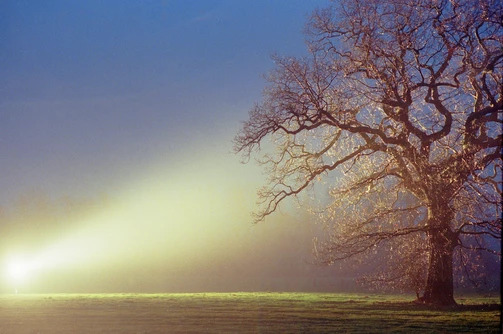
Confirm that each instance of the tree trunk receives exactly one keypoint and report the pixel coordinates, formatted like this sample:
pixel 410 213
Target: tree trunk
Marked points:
pixel 439 288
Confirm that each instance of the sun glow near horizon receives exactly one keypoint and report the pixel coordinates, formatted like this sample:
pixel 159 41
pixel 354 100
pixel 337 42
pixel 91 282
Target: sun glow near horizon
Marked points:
pixel 174 217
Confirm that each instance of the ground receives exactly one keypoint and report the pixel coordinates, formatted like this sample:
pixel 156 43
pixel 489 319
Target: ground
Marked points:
pixel 241 312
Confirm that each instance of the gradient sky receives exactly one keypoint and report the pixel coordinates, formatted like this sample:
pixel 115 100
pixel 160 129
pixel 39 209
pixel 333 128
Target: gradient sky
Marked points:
pixel 92 92
pixel 138 101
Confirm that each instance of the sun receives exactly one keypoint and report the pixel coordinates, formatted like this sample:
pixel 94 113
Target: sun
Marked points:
pixel 18 271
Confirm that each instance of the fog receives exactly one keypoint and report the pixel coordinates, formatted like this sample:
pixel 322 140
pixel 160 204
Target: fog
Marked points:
pixel 116 128
pixel 116 131
pixel 177 228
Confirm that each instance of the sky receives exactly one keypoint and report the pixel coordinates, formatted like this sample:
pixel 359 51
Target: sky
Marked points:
pixel 116 128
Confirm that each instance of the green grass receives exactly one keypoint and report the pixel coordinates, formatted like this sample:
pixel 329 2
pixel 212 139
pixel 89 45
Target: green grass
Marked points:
pixel 242 312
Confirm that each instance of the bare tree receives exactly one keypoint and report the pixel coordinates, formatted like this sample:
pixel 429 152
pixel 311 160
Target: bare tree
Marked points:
pixel 397 99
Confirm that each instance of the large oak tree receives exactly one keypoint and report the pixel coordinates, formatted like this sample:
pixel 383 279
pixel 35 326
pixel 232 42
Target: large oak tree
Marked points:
pixel 399 107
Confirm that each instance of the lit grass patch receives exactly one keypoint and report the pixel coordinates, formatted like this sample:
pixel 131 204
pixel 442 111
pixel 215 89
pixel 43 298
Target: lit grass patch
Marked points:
pixel 242 312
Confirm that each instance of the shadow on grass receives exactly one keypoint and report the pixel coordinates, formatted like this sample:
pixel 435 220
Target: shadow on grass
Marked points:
pixel 414 306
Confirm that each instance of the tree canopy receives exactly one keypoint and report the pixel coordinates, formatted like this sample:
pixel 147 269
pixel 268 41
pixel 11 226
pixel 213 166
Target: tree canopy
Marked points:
pixel 402 103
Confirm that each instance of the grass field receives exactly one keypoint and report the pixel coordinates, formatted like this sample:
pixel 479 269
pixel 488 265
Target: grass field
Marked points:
pixel 241 313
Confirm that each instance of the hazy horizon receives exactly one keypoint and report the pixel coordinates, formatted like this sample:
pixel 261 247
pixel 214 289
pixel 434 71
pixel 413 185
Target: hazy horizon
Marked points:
pixel 116 147
pixel 118 173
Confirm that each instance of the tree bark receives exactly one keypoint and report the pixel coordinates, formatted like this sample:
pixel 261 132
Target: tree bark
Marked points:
pixel 439 288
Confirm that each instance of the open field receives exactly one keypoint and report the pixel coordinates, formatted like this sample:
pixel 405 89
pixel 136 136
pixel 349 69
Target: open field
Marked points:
pixel 241 312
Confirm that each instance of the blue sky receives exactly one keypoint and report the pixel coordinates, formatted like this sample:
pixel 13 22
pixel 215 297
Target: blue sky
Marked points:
pixel 92 92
